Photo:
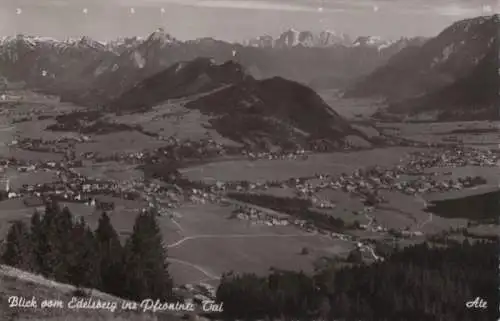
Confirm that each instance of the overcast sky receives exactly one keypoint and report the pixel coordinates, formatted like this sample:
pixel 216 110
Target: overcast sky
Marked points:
pixel 234 20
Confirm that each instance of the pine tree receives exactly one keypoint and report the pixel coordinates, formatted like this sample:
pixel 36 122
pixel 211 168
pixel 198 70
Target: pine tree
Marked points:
pixel 18 247
pixel 63 243
pixel 46 249
pixel 146 270
pixel 37 241
pixel 83 262
pixel 110 256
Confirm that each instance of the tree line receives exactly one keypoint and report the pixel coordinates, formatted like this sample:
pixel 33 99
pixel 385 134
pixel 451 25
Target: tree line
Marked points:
pixel 418 283
pixel 58 246
pixel 296 207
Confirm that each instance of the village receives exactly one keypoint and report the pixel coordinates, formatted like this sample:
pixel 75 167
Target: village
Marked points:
pixel 409 177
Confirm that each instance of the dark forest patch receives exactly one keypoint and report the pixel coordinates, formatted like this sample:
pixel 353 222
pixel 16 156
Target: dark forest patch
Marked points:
pixel 475 207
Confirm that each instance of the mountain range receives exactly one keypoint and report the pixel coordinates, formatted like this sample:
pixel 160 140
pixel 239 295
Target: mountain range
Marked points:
pixel 408 73
pixel 293 38
pixel 456 69
pixel 83 70
pixel 438 62
pixel 327 38
pixel 475 96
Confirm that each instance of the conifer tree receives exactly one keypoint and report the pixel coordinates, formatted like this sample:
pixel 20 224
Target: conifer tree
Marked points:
pixel 83 262
pixel 37 238
pixel 63 242
pixel 110 254
pixel 146 271
pixel 18 247
pixel 46 249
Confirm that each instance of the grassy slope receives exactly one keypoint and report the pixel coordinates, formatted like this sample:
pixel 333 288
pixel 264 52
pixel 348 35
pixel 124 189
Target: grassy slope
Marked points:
pixel 14 282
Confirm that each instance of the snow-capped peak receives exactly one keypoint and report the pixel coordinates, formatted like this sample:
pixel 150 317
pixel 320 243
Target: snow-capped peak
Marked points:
pixel 367 40
pixel 260 41
pixel 292 30
pixel 292 38
pixel 372 41
pixel 329 37
pixel 27 41
pixel 87 41
pixel 160 36
pixel 289 38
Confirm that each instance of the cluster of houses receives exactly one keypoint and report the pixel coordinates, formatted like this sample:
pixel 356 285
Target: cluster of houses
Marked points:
pixel 264 217
pixel 367 183
pixel 455 157
pixel 257 216
pixel 199 149
pixel 74 187
pixel 55 144
pixel 409 178
pixel 299 154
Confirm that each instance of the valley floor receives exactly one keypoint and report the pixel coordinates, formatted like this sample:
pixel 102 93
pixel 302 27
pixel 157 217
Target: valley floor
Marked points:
pixel 208 233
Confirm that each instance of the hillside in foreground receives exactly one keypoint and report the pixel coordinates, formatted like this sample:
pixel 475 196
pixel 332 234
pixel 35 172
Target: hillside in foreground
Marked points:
pixel 14 282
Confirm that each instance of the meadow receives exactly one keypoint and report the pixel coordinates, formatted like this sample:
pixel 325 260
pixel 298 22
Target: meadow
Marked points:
pixel 204 240
pixel 263 170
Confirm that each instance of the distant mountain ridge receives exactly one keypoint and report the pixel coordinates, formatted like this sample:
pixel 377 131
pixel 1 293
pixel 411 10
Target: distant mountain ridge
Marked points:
pixel 453 76
pixel 440 61
pixel 292 38
pixel 41 61
pixel 327 38
pixel 89 72
pixel 473 97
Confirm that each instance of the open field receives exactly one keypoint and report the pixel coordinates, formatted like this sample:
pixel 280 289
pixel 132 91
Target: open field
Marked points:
pixel 6 135
pixel 488 230
pixel 110 170
pixel 208 241
pixel 399 212
pixel 255 254
pixel 173 119
pixel 491 174
pixel 17 180
pixel 474 134
pixel 120 142
pixel 267 170
pixel 32 156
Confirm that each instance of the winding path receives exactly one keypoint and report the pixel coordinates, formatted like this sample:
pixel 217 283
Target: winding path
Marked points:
pixel 428 220
pixel 6 127
pixel 208 274
pixel 208 236
pixel 178 225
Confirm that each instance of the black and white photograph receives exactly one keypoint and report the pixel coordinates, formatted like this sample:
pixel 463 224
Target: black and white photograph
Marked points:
pixel 249 160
